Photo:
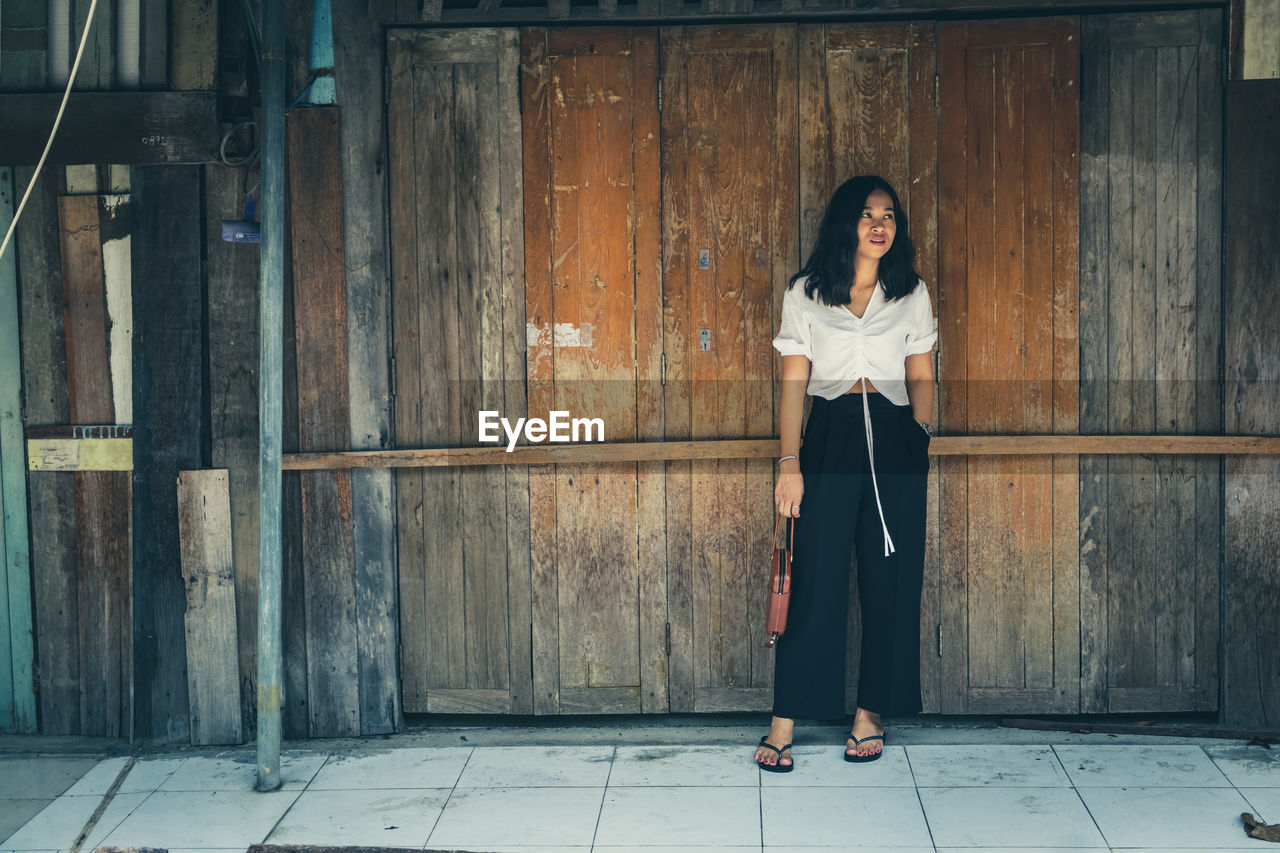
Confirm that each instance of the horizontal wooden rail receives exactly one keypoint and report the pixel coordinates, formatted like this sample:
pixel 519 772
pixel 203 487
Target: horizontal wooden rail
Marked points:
pixel 763 448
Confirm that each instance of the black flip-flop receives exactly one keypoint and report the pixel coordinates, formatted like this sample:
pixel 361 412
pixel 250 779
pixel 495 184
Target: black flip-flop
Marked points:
pixel 779 767
pixel 863 759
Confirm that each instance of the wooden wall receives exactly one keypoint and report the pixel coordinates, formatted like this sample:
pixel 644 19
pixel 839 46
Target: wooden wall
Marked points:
pixel 1148 533
pixel 1150 343
pixel 1251 583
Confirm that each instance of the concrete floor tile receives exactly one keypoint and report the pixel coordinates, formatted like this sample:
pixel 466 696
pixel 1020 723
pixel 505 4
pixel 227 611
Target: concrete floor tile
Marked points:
pixel 41 777
pixel 687 816
pixel 825 765
pixel 1247 766
pixel 1025 850
pixel 537 766
pixel 538 848
pixel 851 818
pixel 1201 818
pixel 610 848
pixel 147 775
pixel 792 849
pixel 15 812
pixel 949 766
pixel 1265 803
pixel 400 768
pixel 375 818
pixel 61 822
pixel 683 765
pixel 240 772
pixel 172 819
pixel 482 818
pixel 992 816
pixel 1158 766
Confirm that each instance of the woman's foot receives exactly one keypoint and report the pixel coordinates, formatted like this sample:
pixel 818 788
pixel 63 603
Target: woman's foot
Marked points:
pixel 865 724
pixel 780 731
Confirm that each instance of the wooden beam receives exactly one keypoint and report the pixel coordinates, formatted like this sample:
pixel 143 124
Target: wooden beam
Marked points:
pixel 758 448
pixel 213 664
pixel 17 691
pixel 643 11
pixel 112 127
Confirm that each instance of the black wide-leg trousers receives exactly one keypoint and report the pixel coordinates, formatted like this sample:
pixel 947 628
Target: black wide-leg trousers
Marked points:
pixel 838 513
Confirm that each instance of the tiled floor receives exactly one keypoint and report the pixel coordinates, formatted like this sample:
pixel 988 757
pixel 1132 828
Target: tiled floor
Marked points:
pixel 919 798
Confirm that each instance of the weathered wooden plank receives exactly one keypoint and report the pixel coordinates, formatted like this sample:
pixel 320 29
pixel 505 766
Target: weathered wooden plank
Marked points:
pixel 438 342
pixel 112 127
pixel 154 62
pixel 103 584
pixel 1251 678
pixel 469 701
pixel 213 661
pixel 117 261
pixel 1210 410
pixel 169 436
pixel 102 500
pixel 82 454
pixel 52 511
pixel 98 64
pixel 650 479
pixel 193 45
pixel 231 271
pixel 320 317
pixel 922 212
pixel 479 328
pixel 514 369
pixel 593 190
pixel 676 265
pixel 536 103
pixel 713 700
pixel 408 399
pixel 360 55
pixel 1154 566
pixel 24 33
pixel 297 713
pixel 17 651
pixel 1018 594
pixel 946 446
pixel 1063 380
pixel 88 379
pixel 1094 319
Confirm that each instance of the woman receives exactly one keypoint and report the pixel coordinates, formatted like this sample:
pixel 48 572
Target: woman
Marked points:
pixel 856 334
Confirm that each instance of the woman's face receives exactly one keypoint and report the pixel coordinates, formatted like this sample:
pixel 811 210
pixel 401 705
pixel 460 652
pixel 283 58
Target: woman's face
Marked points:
pixel 877 226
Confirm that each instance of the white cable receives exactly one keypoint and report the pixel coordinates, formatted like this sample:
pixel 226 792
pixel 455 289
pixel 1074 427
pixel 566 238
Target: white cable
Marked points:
pixel 84 39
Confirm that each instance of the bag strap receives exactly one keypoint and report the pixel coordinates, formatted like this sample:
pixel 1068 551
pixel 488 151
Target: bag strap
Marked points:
pixel 790 530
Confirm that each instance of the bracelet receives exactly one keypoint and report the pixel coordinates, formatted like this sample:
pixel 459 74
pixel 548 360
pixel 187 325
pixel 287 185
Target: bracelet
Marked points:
pixel 924 426
pixel 785 458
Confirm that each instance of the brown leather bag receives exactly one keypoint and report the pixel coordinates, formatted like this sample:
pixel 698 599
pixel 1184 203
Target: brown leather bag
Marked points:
pixel 779 580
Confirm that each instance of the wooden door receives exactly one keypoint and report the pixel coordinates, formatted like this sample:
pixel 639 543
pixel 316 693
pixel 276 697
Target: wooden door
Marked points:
pixel 868 98
pixel 459 332
pixel 594 349
pixel 1008 200
pixel 1150 333
pixel 729 225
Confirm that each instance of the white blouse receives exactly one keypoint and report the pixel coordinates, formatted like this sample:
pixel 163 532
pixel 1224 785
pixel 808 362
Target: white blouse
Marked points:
pixel 843 348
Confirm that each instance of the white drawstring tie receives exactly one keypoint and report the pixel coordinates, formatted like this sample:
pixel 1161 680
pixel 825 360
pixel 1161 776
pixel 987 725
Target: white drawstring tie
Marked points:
pixel 871 458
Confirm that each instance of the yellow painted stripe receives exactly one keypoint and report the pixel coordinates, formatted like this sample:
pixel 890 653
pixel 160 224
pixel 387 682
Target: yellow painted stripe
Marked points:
pixel 80 454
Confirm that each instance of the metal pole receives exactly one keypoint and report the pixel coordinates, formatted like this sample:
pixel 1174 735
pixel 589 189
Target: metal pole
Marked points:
pixel 270 428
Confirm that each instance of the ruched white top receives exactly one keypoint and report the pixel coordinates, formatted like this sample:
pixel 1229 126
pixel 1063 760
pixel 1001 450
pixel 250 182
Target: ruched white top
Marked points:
pixel 843 348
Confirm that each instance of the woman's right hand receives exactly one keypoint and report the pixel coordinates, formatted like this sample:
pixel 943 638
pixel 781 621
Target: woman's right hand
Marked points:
pixel 789 491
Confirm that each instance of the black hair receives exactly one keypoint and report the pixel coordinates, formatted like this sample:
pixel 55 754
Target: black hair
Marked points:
pixel 830 268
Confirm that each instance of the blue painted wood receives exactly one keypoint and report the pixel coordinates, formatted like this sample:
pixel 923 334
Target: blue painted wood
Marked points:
pixel 17 691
